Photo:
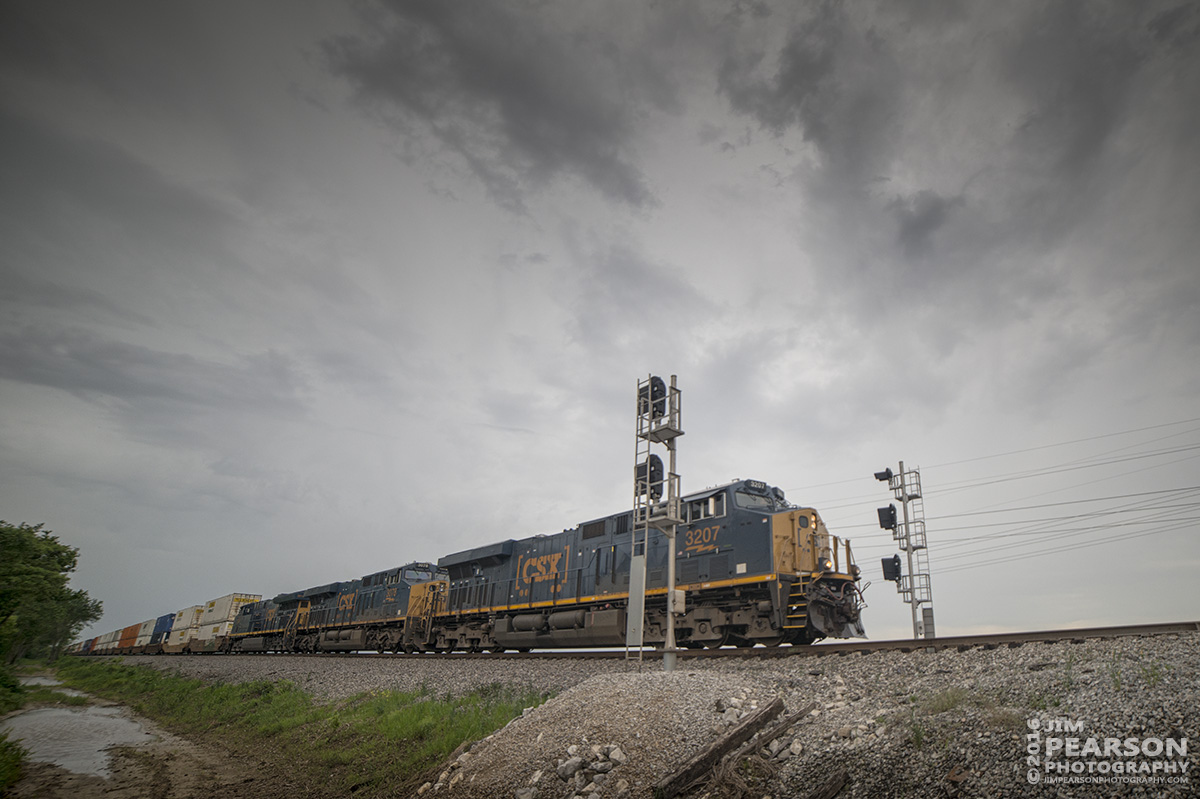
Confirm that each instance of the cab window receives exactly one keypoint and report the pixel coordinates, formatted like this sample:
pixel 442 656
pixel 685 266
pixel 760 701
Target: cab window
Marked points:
pixel 754 501
pixel 709 507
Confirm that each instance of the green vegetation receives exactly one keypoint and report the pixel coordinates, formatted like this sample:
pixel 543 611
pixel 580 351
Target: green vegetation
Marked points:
pixel 12 696
pixel 1007 719
pixel 1043 701
pixel 1153 673
pixel 12 693
pixel 378 742
pixel 1069 671
pixel 946 700
pixel 39 614
pixel 11 755
pixel 917 731
pixel 924 719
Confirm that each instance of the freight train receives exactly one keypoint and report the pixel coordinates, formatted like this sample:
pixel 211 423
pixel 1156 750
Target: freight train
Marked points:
pixel 754 569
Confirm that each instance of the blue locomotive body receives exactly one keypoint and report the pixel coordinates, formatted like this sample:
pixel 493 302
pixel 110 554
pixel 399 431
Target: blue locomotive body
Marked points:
pixel 753 569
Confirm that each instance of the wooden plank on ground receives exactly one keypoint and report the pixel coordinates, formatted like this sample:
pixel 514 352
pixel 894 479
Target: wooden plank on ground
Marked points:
pixel 707 757
pixel 784 724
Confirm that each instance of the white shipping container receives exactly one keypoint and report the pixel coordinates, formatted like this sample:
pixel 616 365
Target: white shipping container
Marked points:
pixel 184 628
pixel 188 617
pixel 184 634
pixel 211 631
pixel 225 608
pixel 145 633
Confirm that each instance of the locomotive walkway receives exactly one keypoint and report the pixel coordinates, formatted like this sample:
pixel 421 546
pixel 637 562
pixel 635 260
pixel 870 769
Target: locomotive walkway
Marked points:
pixel 959 642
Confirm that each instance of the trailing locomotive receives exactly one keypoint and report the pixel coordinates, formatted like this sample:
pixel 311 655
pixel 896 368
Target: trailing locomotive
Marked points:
pixel 388 610
pixel 754 569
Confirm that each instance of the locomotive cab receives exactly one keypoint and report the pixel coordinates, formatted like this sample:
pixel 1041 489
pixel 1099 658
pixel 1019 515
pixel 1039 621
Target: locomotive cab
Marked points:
pixel 820 576
pixel 776 557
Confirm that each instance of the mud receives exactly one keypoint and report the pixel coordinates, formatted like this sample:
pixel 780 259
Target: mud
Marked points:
pixel 164 770
pixel 76 738
pixel 102 751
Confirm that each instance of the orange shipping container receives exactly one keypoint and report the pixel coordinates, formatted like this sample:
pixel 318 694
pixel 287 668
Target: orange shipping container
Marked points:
pixel 129 635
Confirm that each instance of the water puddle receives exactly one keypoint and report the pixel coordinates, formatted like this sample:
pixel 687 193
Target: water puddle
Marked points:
pixel 75 738
pixel 50 682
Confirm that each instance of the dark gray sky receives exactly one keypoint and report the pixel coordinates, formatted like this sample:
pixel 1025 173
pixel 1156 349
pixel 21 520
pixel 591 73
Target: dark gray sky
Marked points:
pixel 296 291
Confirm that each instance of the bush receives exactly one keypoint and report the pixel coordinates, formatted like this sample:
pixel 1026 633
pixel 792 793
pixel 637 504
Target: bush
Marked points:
pixel 11 755
pixel 12 693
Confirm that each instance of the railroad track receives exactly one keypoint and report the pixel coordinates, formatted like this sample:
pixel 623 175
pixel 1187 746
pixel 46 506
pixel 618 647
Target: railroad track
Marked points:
pixel 959 642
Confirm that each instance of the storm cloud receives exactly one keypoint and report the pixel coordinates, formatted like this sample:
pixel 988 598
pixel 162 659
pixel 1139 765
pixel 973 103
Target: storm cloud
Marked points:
pixel 313 289
pixel 518 102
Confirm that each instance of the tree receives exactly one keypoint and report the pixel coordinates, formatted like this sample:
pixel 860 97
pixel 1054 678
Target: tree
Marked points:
pixel 39 613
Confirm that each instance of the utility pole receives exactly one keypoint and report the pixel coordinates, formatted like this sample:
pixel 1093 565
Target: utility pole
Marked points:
pixel 916 587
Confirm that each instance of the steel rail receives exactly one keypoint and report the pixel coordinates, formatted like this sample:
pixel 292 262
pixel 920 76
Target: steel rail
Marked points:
pixel 959 642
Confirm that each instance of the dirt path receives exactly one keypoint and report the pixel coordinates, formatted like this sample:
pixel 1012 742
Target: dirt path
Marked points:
pixel 173 769
pixel 165 767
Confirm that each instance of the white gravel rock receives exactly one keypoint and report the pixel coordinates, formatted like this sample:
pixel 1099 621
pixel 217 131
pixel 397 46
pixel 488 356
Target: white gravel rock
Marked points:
pixel 922 723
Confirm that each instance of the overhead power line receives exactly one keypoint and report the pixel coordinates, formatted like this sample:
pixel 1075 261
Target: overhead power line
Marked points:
pixel 950 488
pixel 1047 526
pixel 1083 545
pixel 1089 500
pixel 1064 443
pixel 1017 452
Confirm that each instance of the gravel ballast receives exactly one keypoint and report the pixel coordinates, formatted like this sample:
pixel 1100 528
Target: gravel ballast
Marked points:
pixel 922 723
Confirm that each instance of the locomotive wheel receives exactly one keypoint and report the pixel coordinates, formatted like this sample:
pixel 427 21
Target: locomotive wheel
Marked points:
pixel 773 641
pixel 718 643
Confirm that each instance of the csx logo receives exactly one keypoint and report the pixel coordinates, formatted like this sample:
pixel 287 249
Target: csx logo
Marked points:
pixel 543 567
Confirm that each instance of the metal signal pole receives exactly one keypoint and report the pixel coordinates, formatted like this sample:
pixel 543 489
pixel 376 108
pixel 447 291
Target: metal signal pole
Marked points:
pixel 658 422
pixel 917 585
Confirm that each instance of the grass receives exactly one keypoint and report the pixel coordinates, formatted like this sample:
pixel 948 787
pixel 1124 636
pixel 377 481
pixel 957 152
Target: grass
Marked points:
pixel 12 696
pixel 946 700
pixel 924 720
pixel 374 743
pixel 917 731
pixel 1006 719
pixel 11 755
pixel 12 693
pixel 1153 673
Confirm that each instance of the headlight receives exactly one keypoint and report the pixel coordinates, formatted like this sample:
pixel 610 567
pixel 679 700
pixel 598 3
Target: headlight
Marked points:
pixel 825 565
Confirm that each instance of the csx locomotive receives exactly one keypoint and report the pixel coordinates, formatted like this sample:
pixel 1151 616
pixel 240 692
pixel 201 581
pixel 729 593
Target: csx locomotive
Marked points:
pixel 755 570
